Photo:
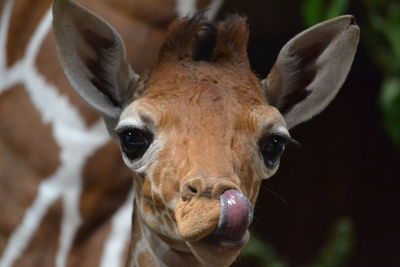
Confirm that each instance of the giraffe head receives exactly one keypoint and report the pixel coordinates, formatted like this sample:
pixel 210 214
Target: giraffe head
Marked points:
pixel 200 131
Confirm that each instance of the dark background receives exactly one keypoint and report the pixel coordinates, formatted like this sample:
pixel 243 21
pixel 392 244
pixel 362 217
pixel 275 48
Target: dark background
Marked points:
pixel 346 166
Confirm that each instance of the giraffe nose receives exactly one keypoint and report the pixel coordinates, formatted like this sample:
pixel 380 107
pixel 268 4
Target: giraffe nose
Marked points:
pixel 207 188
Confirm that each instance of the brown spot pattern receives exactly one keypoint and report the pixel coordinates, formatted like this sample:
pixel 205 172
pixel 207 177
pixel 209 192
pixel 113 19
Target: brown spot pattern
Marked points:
pixel 43 248
pixel 89 252
pixel 136 22
pixel 25 144
pixel 24 133
pixel 22 168
pixel 20 31
pixel 145 259
pixel 136 232
pixel 106 185
pixel 17 191
pixel 158 202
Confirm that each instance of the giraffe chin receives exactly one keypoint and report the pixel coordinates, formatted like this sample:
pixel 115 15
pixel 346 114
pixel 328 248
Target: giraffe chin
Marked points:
pixel 229 235
pixel 227 244
pixel 214 250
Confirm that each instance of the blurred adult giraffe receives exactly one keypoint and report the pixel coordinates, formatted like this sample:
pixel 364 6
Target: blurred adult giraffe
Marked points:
pixel 67 193
pixel 200 131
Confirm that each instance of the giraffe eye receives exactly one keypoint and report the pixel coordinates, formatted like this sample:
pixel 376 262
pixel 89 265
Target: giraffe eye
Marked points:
pixel 272 149
pixel 135 142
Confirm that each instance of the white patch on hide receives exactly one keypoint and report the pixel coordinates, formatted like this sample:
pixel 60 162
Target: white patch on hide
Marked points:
pixel 119 236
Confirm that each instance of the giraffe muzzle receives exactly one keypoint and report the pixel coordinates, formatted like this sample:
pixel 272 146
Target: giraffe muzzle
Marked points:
pixel 236 216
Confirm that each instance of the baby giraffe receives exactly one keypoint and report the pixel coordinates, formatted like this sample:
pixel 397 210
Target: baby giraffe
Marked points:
pixel 200 131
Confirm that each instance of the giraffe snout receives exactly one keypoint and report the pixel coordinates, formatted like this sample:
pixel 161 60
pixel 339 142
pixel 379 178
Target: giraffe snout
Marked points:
pixel 198 213
pixel 206 188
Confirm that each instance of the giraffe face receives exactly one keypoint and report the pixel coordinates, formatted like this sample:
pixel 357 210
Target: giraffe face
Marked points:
pixel 194 149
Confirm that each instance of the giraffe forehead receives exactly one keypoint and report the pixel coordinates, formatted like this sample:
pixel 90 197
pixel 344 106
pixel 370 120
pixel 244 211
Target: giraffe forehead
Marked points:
pixel 187 89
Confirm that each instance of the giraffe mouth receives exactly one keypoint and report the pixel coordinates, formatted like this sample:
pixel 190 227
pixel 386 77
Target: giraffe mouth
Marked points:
pixel 222 222
pixel 236 215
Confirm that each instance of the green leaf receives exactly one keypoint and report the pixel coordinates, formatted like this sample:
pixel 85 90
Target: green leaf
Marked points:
pixel 335 253
pixel 390 105
pixel 338 249
pixel 263 252
pixel 313 12
pixel 337 8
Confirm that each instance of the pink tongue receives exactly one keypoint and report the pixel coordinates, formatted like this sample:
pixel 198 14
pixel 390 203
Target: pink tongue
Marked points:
pixel 236 215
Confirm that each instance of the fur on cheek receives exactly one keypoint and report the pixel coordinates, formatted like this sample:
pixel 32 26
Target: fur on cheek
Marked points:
pixel 198 218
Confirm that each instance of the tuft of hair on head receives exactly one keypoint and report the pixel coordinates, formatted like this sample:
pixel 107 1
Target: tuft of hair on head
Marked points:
pixel 196 38
pixel 233 35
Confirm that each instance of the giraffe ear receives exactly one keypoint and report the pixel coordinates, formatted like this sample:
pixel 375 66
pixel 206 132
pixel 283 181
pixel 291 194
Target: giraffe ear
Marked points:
pixel 311 68
pixel 93 57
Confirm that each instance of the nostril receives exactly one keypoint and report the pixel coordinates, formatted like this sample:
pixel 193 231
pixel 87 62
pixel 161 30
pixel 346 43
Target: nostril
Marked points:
pixel 192 189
